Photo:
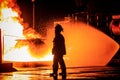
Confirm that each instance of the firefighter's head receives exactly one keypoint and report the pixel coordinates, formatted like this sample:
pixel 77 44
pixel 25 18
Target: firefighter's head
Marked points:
pixel 58 28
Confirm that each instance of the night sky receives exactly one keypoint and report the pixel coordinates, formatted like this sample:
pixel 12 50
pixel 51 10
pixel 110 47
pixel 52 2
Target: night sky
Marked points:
pixel 47 9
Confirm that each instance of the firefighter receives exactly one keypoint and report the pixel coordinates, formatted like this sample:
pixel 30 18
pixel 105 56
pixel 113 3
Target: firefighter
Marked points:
pixel 58 51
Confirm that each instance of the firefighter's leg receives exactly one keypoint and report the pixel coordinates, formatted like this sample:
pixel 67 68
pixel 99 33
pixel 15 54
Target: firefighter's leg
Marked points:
pixel 62 65
pixel 55 66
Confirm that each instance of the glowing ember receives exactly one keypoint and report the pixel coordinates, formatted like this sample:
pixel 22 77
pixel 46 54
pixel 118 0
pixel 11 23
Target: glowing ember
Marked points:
pixel 115 25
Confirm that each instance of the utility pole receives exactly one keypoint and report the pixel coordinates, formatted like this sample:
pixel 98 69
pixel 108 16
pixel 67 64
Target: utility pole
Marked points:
pixel 33 13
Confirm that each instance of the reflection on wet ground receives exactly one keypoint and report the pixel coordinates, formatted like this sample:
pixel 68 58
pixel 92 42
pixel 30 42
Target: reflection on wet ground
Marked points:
pixel 78 73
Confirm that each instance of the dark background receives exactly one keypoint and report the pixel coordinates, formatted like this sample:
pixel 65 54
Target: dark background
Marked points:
pixel 47 9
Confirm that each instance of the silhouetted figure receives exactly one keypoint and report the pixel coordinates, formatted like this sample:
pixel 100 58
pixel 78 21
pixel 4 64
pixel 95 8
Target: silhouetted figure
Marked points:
pixel 58 51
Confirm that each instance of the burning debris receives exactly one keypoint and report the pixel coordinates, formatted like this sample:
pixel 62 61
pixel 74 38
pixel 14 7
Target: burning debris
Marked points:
pixel 24 42
pixel 37 48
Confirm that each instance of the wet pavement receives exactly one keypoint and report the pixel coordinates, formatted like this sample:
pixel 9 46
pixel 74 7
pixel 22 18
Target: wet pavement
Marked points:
pixel 75 73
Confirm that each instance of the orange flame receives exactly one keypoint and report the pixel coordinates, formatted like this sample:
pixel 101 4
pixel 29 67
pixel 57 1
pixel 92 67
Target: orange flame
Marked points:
pixel 18 47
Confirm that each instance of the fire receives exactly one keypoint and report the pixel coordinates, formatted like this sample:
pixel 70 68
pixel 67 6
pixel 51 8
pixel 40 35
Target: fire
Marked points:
pixel 20 44
pixel 7 12
pixel 85 44
pixel 24 56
